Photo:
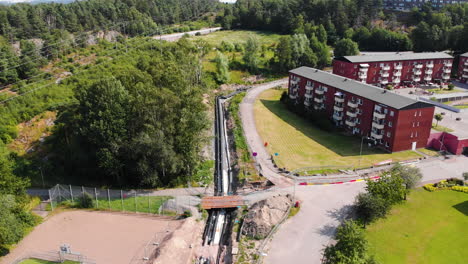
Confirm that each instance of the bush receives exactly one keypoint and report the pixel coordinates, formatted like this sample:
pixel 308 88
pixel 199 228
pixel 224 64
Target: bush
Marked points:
pixel 198 34
pixel 430 187
pixel 451 87
pixel 284 97
pixel 463 189
pixel 85 201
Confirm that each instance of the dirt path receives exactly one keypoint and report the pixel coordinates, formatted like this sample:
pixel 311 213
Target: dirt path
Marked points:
pixel 101 236
pixel 254 140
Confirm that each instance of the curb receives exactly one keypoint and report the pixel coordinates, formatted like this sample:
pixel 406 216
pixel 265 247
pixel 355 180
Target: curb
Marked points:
pixel 340 182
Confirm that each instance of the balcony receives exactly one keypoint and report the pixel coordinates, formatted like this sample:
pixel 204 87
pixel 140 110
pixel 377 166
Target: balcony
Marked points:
pixel 338 108
pixel 465 69
pixel 447 70
pixel 466 63
pixel 308 95
pixel 319 91
pixel 352 104
pixel 351 123
pixel 417 72
pixel 309 88
pixel 397 73
pixel 385 74
pixel 386 68
pixel 446 76
pixel 430 66
pixel 351 114
pixel 384 82
pixel 377 125
pixel 417 79
pixel 293 95
pixel 319 106
pixel 448 64
pixel 379 115
pixel 338 117
pixel 318 100
pixel 428 71
pixel 363 69
pixel 418 66
pixel 396 80
pixel 427 78
pixel 398 66
pixel 294 80
pixel 465 76
pixel 376 136
pixel 339 99
pixel 307 102
pixel 362 76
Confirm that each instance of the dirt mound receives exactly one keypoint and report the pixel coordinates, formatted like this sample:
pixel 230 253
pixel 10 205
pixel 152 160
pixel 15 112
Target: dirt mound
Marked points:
pixel 264 215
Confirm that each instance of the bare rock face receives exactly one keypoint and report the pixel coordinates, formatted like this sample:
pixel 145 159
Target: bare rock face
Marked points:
pixel 264 215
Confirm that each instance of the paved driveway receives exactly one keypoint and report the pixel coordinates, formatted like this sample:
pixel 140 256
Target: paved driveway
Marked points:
pixel 301 239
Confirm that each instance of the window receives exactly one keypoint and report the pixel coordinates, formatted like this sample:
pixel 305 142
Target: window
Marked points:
pixel 411 134
pixel 386 144
pixel 414 124
pixel 309 83
pixel 416 113
pixel 359 101
pixel 391 113
pixel 416 135
pixel 389 134
pixel 385 111
pixel 359 111
pixel 390 124
pixel 358 120
pixel 420 112
pixel 418 123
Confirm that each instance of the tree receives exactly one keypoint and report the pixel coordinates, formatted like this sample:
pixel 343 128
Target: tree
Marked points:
pixel 222 68
pixel 351 246
pixel 250 57
pixel 390 187
pixel 410 175
pixel 438 117
pixel 346 47
pixel 370 208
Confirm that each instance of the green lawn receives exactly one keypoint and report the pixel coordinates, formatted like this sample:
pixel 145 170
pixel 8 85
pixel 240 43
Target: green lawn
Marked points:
pixel 140 204
pixel 300 144
pixel 441 128
pixel 236 36
pixel 429 228
pixel 38 261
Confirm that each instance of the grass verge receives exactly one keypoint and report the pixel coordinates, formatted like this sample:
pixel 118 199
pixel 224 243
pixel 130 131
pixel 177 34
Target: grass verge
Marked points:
pixel 427 229
pixel 39 261
pixel 441 128
pixel 300 144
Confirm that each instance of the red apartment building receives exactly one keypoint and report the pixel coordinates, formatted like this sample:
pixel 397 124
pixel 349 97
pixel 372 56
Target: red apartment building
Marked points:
pixel 463 68
pixel 397 69
pixel 391 121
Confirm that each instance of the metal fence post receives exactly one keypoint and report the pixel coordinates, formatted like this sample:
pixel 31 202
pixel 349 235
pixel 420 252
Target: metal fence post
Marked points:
pixel 95 195
pixel 60 195
pixel 121 199
pixel 51 201
pixel 134 195
pixel 108 199
pixel 149 207
pixel 71 193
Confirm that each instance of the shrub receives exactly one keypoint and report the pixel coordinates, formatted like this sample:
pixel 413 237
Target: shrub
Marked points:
pixel 451 86
pixel 198 34
pixel 463 189
pixel 430 187
pixel 85 201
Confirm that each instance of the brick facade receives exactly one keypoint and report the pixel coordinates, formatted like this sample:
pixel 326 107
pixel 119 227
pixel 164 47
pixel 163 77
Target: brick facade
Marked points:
pixel 400 71
pixel 408 4
pixel 390 128
pixel 463 68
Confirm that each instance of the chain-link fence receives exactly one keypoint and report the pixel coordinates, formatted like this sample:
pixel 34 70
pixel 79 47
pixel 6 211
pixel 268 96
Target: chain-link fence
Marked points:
pixel 141 201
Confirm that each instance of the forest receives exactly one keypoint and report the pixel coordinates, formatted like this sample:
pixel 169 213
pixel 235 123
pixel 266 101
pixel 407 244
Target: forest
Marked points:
pixel 132 111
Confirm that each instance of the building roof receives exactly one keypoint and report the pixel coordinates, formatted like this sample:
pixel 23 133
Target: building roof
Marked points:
pixel 370 92
pixel 464 54
pixel 395 57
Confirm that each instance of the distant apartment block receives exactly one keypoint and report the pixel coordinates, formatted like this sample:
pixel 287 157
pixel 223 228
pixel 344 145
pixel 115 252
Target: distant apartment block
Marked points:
pixel 391 121
pixel 397 69
pixel 463 68
pixel 408 4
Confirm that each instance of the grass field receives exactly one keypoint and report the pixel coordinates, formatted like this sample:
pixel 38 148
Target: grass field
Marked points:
pixel 38 261
pixel 300 144
pixel 429 228
pixel 236 36
pixel 141 204
pixel 238 76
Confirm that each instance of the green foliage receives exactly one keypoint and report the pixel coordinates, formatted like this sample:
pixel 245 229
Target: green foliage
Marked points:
pixel 390 186
pixel 222 68
pixel 346 47
pixel 370 208
pixel 438 117
pixel 239 139
pixel 351 246
pixel 451 86
pixel 293 52
pixel 410 175
pixel 251 57
pixel 85 201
